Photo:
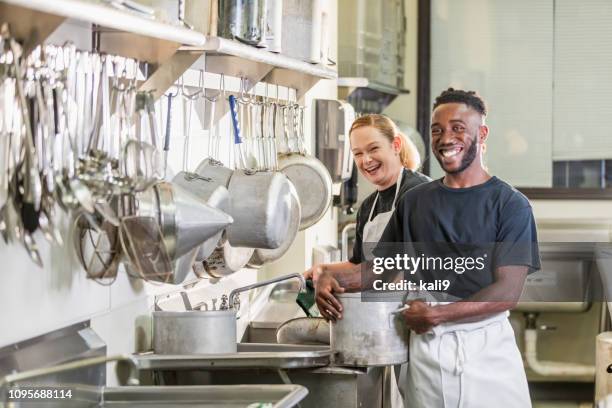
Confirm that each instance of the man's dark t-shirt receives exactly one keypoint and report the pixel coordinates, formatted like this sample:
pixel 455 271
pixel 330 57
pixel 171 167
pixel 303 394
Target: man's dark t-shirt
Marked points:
pixel 492 216
pixel 384 203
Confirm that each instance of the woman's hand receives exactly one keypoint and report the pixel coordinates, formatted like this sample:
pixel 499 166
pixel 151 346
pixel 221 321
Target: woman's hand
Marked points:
pixel 314 273
pixel 329 306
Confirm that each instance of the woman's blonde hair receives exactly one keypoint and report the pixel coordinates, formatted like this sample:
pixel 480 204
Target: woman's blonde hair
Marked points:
pixel 409 155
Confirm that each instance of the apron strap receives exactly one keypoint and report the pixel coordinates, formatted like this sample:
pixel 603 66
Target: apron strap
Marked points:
pixel 398 185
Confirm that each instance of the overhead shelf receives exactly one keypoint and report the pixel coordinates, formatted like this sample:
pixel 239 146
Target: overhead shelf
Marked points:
pixel 220 55
pixel 171 49
pixel 217 46
pixel 121 32
pixel 360 82
pixel 367 96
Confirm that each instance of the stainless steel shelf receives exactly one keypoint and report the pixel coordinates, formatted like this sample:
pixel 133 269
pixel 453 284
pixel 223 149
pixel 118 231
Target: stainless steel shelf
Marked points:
pixel 240 60
pixel 122 32
pixel 171 49
pixel 217 46
pixel 220 55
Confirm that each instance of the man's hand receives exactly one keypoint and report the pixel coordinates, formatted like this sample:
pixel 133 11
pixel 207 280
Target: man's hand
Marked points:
pixel 325 287
pixel 313 273
pixel 420 317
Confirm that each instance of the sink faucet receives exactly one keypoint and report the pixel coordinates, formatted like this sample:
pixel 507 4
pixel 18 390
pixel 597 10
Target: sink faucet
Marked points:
pixel 236 291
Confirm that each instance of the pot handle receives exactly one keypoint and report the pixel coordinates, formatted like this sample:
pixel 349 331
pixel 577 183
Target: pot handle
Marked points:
pixel 235 124
pixel 237 134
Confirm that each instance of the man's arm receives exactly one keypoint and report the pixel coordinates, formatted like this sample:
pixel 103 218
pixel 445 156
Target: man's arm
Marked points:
pixel 498 297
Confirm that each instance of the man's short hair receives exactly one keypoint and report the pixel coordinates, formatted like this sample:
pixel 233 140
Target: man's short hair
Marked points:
pixel 469 98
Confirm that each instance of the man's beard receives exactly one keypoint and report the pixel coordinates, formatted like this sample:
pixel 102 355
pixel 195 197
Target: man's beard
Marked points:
pixel 467 159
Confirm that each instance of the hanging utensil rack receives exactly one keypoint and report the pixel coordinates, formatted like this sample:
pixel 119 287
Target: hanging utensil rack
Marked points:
pixel 170 50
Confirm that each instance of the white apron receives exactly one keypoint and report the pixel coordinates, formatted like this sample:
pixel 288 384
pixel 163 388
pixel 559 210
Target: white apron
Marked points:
pixel 467 365
pixel 374 228
pixel 372 231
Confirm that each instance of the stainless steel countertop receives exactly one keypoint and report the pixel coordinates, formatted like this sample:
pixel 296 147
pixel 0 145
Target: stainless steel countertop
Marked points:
pixel 249 355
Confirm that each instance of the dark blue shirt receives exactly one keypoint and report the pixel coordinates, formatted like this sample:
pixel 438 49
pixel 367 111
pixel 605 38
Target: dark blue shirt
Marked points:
pixel 492 218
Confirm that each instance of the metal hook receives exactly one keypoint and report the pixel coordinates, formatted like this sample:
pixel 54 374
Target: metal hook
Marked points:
pixel 277 99
pixel 222 85
pixel 243 90
pixel 212 98
pixel 184 93
pixel 201 79
pixel 173 95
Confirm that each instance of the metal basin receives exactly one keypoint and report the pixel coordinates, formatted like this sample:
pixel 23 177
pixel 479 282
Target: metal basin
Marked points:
pixel 227 396
pixel 260 332
pixel 279 308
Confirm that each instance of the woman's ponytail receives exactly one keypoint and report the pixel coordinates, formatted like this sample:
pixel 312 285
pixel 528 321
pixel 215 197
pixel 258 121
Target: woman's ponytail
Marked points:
pixel 409 155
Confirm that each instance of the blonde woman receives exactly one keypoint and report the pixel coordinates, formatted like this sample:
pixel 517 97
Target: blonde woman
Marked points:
pixel 388 160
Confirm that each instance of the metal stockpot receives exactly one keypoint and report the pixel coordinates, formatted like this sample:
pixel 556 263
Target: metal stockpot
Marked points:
pixel 368 333
pixel 194 332
pixel 244 20
pixel 215 171
pixel 263 256
pixel 261 207
pixel 227 259
pixel 222 259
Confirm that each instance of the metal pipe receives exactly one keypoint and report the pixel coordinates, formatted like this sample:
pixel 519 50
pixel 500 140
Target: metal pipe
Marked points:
pixel 549 368
pixel 344 242
pixel 234 292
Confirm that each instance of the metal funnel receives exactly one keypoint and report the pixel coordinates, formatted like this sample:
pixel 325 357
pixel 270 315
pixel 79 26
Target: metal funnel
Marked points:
pixel 195 221
pixel 216 196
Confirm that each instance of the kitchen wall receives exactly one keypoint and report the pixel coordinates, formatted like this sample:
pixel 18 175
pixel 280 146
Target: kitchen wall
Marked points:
pixel 36 300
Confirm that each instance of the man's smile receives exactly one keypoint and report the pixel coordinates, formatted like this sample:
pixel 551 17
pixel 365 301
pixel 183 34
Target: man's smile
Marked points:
pixel 451 151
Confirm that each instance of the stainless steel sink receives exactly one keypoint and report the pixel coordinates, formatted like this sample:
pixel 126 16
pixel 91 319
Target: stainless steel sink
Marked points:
pixel 198 396
pixel 260 332
pixel 274 363
pixel 279 308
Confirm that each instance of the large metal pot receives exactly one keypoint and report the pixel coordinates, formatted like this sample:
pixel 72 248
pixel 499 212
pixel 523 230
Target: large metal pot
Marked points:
pixel 223 258
pixel 194 332
pixel 227 259
pixel 244 20
pixel 368 333
pixel 261 200
pixel 263 256
pixel 261 208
